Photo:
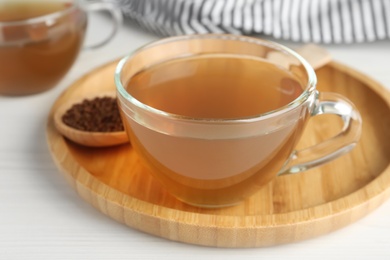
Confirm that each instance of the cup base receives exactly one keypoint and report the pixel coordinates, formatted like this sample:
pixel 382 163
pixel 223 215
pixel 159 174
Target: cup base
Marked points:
pixel 210 206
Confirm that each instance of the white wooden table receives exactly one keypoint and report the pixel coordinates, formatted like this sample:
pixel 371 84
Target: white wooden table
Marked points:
pixel 41 217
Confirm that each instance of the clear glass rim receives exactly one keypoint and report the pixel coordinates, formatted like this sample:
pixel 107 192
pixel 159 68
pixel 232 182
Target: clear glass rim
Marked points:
pixel 39 19
pixel 308 91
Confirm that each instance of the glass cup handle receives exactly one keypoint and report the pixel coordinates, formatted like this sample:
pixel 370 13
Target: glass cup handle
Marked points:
pixel 117 20
pixel 328 103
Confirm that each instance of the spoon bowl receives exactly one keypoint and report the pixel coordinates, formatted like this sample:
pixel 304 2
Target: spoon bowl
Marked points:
pixel 88 138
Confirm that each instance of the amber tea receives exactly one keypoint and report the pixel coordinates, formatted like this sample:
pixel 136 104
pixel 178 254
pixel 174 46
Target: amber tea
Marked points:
pixel 216 171
pixel 216 117
pixel 34 57
pixel 215 87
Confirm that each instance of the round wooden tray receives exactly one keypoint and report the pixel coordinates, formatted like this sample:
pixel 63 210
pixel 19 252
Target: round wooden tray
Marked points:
pixel 291 208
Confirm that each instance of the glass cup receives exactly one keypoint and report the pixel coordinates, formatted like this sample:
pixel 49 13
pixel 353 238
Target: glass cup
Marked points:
pixel 217 162
pixel 40 40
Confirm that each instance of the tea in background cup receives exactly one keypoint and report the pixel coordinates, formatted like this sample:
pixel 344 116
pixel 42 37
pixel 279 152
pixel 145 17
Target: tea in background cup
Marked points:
pixel 216 117
pixel 40 40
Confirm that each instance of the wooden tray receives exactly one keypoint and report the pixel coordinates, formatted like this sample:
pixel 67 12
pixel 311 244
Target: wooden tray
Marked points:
pixel 291 208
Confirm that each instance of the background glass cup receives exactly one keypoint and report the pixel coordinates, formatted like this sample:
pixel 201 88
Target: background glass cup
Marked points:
pixel 40 40
pixel 219 162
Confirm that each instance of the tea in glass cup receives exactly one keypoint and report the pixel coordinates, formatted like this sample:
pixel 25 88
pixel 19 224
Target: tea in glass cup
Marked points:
pixel 216 117
pixel 40 41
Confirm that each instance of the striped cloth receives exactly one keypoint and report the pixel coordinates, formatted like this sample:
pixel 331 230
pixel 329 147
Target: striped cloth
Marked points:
pixel 318 21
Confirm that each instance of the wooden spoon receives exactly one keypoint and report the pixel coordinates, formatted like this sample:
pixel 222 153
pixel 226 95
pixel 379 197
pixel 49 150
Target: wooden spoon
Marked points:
pixel 314 54
pixel 86 138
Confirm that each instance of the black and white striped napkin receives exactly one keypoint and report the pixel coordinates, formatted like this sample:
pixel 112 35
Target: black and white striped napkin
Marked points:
pixel 318 21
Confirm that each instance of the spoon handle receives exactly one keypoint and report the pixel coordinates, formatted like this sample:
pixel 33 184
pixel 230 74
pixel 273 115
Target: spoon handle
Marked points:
pixel 315 55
